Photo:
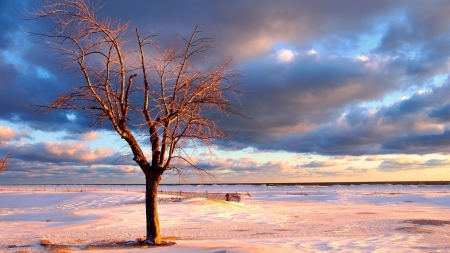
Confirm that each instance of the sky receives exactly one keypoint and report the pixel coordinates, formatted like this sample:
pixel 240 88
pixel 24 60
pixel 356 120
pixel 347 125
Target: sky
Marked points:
pixel 334 91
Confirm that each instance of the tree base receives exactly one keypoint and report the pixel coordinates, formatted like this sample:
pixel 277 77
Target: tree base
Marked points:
pixel 127 245
pixel 144 242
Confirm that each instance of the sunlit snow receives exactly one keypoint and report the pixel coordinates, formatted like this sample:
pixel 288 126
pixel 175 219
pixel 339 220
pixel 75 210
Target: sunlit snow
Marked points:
pixel 360 218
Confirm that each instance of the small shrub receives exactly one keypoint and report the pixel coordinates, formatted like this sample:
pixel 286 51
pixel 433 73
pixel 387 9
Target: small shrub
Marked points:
pixel 45 242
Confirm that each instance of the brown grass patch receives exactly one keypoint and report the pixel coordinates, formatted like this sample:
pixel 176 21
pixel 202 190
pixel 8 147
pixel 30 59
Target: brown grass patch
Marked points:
pixel 263 233
pixel 240 230
pixel 60 248
pixel 171 238
pixel 428 222
pixel 283 229
pixel 45 242
pixel 19 249
pixel 416 230
pixel 77 241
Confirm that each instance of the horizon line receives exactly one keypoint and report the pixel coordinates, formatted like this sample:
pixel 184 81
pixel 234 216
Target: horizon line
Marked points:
pixel 414 182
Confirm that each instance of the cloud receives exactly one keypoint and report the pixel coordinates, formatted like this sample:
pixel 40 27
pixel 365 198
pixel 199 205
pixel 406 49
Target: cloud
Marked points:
pixel 129 168
pixel 420 144
pixel 62 152
pixel 8 134
pixel 268 22
pixel 374 158
pixel 407 163
pixel 362 57
pixel 312 52
pixel 408 126
pixel 284 101
pixel 49 173
pixel 285 55
pixel 281 100
pixel 90 136
pixel 321 102
pixel 319 164
pixel 248 168
pixel 327 172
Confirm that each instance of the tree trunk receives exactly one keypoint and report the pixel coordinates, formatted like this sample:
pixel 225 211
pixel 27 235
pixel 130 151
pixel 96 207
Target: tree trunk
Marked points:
pixel 152 179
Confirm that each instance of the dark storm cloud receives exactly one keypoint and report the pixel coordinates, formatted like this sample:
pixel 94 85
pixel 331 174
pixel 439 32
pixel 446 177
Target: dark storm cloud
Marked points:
pixel 291 97
pixel 29 76
pixel 32 73
pixel 8 22
pixel 20 95
pixel 415 25
pixel 419 144
pixel 408 126
pixel 441 112
pixel 295 106
pixel 405 107
pixel 421 33
pixel 245 29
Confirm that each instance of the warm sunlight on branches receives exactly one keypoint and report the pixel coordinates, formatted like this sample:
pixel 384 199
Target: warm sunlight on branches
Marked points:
pixel 5 161
pixel 139 85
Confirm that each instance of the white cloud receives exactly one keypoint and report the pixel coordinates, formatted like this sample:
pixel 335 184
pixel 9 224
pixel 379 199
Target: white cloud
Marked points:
pixel 6 133
pixel 128 168
pixel 72 117
pixel 362 57
pixel 90 136
pixel 285 55
pixel 312 52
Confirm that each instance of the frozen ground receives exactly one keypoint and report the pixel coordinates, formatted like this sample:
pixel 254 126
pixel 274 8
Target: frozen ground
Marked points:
pixel 365 218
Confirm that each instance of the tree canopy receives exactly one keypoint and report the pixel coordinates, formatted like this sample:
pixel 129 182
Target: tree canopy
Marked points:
pixel 139 87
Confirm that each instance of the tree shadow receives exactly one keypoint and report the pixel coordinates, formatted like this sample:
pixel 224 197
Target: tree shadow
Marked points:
pixel 115 245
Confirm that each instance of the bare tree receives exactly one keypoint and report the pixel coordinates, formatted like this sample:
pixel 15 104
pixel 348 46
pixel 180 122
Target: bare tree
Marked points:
pixel 5 161
pixel 161 91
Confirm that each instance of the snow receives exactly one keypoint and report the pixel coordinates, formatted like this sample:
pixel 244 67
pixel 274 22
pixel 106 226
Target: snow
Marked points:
pixel 359 218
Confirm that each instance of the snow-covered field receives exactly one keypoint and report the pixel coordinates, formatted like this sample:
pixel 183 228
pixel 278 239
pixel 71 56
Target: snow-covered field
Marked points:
pixel 363 218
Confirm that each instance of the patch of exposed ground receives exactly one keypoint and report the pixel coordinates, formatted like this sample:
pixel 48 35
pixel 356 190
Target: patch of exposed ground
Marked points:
pixel 104 245
pixel 428 222
pixel 416 230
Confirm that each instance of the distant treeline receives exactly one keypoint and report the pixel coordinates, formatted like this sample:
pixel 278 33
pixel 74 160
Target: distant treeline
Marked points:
pixel 367 183
pixel 335 183
pixel 287 184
